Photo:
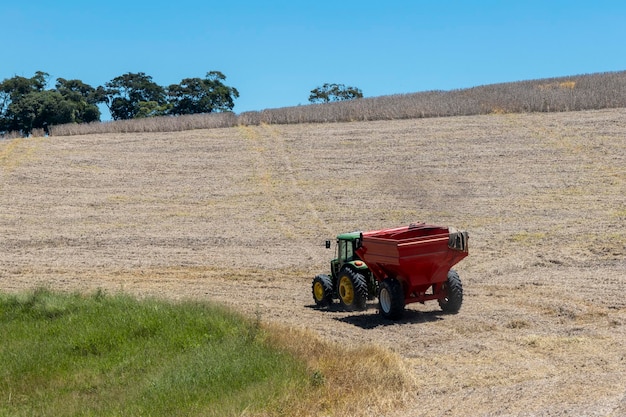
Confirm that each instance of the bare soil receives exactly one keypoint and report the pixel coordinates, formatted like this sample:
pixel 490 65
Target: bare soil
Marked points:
pixel 240 216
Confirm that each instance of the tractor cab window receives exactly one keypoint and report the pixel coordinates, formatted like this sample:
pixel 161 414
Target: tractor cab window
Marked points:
pixel 346 250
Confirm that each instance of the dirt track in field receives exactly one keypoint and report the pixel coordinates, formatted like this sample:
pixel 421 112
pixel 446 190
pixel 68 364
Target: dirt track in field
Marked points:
pixel 240 216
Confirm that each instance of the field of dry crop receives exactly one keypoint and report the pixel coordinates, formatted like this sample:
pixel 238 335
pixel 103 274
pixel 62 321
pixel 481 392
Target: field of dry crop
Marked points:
pixel 240 215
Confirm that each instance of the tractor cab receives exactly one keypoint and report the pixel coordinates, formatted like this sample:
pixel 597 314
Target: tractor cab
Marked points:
pixel 347 244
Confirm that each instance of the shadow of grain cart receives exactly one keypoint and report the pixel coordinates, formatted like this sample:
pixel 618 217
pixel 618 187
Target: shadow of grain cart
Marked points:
pixel 402 265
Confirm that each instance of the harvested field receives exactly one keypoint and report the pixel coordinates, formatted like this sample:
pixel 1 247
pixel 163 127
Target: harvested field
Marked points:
pixel 240 215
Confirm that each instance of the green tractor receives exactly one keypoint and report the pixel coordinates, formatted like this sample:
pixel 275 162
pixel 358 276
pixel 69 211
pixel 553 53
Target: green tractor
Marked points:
pixel 350 281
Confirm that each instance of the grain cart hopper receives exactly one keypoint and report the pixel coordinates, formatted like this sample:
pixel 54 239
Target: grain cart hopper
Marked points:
pixel 399 266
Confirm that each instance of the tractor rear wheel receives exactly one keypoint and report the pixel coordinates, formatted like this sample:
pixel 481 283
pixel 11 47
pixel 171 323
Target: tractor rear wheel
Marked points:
pixel 322 290
pixel 451 303
pixel 391 299
pixel 352 290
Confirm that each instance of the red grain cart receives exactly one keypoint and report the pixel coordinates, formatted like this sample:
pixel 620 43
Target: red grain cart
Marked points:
pixel 401 265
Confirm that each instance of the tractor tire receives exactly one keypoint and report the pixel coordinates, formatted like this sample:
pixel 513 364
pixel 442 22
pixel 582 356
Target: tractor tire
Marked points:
pixel 322 290
pixel 451 303
pixel 391 299
pixel 352 290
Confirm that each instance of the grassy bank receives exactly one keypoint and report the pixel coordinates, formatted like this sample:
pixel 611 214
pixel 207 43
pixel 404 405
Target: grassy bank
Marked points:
pixel 65 355
pixel 113 355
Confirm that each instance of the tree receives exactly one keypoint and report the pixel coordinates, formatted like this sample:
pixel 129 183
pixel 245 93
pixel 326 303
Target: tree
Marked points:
pixel 38 109
pixel 151 109
pixel 127 94
pixel 334 92
pixel 25 104
pixel 12 89
pixel 197 95
pixel 84 97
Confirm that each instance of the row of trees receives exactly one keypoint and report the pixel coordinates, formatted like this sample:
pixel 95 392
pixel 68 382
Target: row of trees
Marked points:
pixel 27 104
pixel 132 96
pixel 572 93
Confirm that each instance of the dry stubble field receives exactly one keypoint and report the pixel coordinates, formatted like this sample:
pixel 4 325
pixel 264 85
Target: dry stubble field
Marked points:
pixel 240 216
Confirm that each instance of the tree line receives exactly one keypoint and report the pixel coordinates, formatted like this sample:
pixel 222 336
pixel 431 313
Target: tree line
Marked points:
pixel 28 103
pixel 570 93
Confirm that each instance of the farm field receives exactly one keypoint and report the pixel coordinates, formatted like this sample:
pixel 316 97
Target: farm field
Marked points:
pixel 240 216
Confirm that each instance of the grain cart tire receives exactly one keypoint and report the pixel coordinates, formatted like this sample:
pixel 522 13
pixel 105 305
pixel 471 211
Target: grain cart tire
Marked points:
pixel 391 299
pixel 352 290
pixel 322 290
pixel 451 303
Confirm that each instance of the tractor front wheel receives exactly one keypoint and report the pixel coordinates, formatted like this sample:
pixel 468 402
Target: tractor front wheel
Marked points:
pixel 322 290
pixel 352 290
pixel 391 299
pixel 453 289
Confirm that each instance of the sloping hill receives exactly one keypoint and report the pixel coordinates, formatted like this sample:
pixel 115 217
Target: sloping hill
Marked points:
pixel 240 214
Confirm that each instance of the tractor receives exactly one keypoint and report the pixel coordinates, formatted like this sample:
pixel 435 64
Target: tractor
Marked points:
pixel 400 265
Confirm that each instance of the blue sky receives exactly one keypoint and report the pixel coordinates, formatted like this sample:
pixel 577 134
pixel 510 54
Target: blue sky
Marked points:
pixel 275 52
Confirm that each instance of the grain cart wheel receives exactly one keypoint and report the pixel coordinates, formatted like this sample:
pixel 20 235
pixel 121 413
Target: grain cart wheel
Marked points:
pixel 391 299
pixel 454 294
pixel 352 290
pixel 322 290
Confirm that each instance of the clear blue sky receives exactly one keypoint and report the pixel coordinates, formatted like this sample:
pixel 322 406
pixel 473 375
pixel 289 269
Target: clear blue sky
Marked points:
pixel 275 52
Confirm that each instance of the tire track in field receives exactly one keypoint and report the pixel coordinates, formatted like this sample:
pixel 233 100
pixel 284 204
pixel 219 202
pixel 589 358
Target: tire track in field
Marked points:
pixel 291 212
pixel 15 152
pixel 281 151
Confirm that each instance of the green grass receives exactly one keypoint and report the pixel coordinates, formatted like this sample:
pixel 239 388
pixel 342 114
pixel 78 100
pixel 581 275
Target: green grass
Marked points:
pixel 113 355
